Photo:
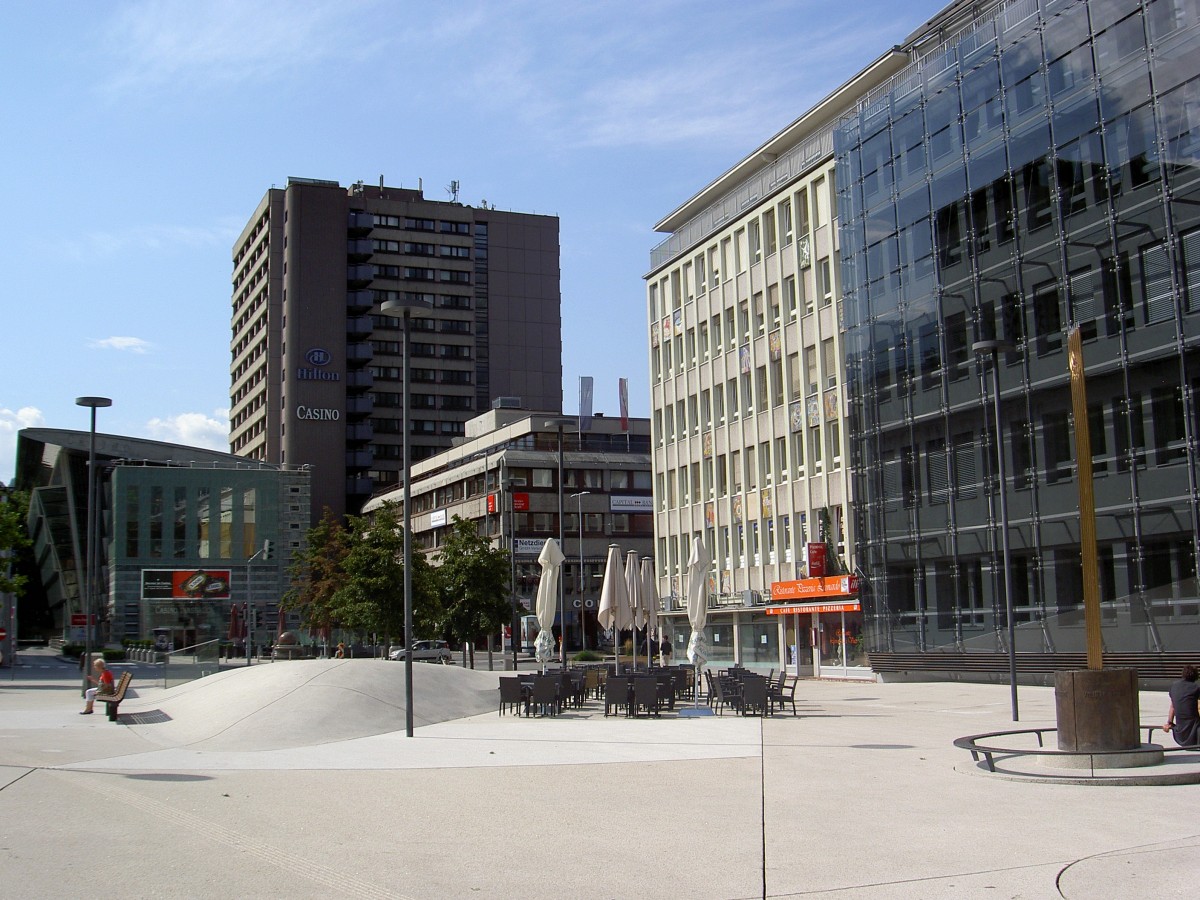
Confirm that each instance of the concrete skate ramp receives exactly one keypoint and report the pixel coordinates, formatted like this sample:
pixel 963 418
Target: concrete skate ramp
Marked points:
pixel 305 702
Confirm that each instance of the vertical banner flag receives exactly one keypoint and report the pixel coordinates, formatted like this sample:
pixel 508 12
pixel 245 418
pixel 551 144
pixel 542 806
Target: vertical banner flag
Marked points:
pixel 623 389
pixel 585 402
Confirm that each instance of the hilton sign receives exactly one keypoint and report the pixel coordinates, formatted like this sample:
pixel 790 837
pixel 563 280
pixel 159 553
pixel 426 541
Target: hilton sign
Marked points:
pixel 317 358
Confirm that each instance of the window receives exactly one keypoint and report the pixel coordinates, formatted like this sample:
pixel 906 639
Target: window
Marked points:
pixel 744 321
pixel 802 213
pixel 789 296
pixel 773 305
pixel 825 281
pixel 829 358
pixel 1056 443
pixel 760 387
pixel 702 336
pixel 739 250
pixel 798 454
pixel 760 321
pixel 810 370
pixel 731 399
pixel 781 470
pixel 755 240
pixel 735 470
pixel 785 221
pixel 719 404
pixel 777 382
pixel 730 330
pixel 1169 436
pixel 764 463
pixel 833 437
pixel 751 470
pixel 768 226
pixel 716 335
pixel 543 478
pixel 722 476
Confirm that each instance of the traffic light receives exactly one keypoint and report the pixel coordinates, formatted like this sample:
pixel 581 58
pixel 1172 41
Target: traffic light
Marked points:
pixel 268 549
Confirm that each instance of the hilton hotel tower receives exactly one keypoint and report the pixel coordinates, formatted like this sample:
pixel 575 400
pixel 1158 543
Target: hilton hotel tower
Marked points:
pixel 316 370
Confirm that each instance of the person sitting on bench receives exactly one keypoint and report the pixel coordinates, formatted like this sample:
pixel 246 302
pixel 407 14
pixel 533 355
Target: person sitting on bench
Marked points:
pixel 104 685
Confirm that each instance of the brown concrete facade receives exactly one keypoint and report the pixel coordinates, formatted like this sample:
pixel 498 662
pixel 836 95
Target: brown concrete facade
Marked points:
pixel 316 371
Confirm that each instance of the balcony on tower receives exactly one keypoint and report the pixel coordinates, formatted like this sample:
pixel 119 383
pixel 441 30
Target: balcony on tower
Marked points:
pixel 360 223
pixel 359 352
pixel 360 432
pixel 362 405
pixel 359 301
pixel 359 326
pixel 360 459
pixel 360 485
pixel 359 276
pixel 360 379
pixel 359 250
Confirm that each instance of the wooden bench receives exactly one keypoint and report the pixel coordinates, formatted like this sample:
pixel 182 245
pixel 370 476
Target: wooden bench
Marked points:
pixel 113 700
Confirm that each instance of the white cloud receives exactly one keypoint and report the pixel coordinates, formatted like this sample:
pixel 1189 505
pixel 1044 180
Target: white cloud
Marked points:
pixel 96 245
pixel 10 423
pixel 193 429
pixel 178 43
pixel 130 344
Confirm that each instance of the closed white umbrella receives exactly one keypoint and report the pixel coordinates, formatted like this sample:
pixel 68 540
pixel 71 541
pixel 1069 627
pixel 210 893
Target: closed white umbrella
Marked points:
pixel 697 607
pixel 650 599
pixel 614 599
pixel 551 559
pixel 633 586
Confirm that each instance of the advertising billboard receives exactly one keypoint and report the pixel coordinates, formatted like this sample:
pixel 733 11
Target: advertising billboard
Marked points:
pixel 185 584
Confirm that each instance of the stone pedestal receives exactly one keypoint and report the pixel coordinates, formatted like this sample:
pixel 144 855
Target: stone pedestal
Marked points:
pixel 1097 710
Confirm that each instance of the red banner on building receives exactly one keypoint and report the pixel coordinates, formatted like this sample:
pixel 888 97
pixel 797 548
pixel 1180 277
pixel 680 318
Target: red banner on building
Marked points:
pixel 816 560
pixel 520 502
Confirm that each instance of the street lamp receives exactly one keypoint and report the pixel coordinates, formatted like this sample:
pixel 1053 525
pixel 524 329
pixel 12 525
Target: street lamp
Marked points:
pixel 508 485
pixel 992 349
pixel 403 310
pixel 582 581
pixel 559 423
pixel 89 577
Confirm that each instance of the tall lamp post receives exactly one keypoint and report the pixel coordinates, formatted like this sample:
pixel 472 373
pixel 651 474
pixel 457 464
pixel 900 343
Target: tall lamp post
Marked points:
pixel 403 310
pixel 509 486
pixel 993 349
pixel 89 577
pixel 559 423
pixel 582 579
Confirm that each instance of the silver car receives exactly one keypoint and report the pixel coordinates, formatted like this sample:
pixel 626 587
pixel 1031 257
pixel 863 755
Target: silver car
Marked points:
pixel 424 651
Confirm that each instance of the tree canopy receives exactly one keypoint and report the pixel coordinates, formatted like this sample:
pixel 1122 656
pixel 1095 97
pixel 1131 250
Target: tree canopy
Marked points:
pixel 14 508
pixel 473 579
pixel 352 576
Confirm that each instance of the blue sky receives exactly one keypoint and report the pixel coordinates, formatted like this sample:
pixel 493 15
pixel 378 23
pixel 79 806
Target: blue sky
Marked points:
pixel 139 137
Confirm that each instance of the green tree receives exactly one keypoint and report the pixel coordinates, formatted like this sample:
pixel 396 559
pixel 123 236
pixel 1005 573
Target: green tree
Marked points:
pixel 14 507
pixel 473 578
pixel 316 574
pixel 353 577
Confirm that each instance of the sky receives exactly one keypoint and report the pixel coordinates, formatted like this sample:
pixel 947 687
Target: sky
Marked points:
pixel 141 135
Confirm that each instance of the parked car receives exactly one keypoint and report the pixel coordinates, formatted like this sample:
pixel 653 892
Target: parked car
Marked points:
pixel 424 651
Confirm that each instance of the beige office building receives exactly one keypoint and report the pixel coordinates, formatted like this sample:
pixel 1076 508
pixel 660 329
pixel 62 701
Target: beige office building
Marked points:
pixel 748 406
pixel 316 371
pixel 504 477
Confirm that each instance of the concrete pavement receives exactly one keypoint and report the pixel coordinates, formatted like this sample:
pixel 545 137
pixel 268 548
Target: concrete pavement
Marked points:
pixel 296 780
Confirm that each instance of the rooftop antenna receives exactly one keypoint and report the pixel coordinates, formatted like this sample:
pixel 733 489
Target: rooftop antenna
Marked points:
pixel 381 182
pixel 452 190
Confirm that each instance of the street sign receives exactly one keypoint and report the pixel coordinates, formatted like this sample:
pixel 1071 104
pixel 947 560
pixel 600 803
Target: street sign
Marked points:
pixel 3 634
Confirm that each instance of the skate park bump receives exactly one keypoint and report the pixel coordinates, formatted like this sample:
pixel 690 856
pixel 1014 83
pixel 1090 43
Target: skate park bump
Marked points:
pixel 305 702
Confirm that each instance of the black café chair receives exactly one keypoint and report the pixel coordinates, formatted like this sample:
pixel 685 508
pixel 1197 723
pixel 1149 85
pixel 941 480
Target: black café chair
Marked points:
pixel 616 693
pixel 512 696
pixel 544 699
pixel 645 694
pixel 754 696
pixel 787 693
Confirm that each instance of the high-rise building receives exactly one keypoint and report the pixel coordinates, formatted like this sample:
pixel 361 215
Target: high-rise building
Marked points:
pixel 748 403
pixel 1034 169
pixel 826 315
pixel 315 373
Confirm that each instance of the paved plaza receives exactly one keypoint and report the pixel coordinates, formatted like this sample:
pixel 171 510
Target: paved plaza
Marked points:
pixel 296 780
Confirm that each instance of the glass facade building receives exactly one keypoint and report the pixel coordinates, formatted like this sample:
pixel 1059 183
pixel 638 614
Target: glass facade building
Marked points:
pixel 1031 171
